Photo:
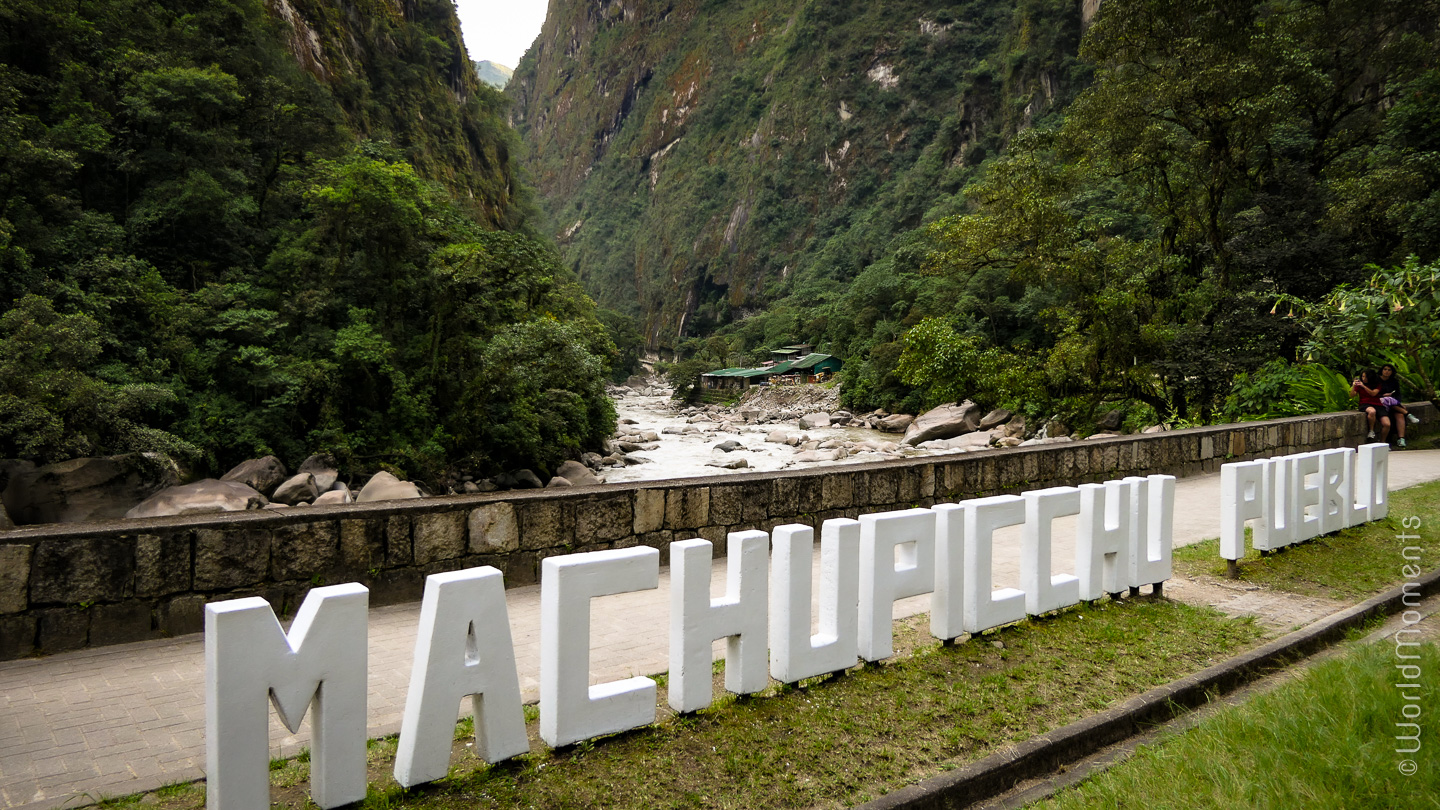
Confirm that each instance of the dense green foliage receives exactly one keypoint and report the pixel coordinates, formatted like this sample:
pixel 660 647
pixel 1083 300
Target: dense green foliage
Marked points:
pixel 215 246
pixel 1066 225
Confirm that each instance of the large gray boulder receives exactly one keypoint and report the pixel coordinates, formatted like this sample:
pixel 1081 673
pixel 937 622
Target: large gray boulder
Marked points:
pixel 87 489
pixel 577 474
pixel 334 497
pixel 297 488
pixel 895 423
pixel 324 468
pixel 260 474
pixel 811 421
pixel 200 498
pixel 999 416
pixel 944 422
pixel 383 486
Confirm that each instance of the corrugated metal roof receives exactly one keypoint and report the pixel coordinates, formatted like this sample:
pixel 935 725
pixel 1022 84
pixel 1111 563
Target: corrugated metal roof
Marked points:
pixel 811 360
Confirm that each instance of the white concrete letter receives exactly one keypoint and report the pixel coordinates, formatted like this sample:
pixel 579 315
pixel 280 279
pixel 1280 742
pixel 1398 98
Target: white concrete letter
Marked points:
pixel 1242 498
pixel 1102 539
pixel 947 606
pixel 249 657
pixel 1334 488
pixel 985 609
pixel 910 536
pixel 1282 514
pixel 463 649
pixel 696 620
pixel 569 710
pixel 1372 479
pixel 1306 496
pixel 1154 530
pixel 794 653
pixel 1045 592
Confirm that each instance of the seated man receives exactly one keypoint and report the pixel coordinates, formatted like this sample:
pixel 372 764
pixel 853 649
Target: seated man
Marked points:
pixel 1367 388
pixel 1390 387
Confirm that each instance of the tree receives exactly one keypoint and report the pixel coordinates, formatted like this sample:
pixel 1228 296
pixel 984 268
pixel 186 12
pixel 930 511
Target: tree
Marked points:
pixel 1392 316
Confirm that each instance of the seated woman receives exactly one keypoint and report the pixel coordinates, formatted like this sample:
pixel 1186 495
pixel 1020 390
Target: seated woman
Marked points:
pixel 1367 388
pixel 1390 387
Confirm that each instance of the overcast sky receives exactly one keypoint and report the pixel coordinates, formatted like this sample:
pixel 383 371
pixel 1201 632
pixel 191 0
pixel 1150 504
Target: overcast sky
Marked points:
pixel 500 30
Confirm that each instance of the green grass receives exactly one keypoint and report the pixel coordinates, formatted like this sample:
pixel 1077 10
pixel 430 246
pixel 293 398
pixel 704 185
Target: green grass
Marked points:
pixel 1349 565
pixel 1324 740
pixel 840 740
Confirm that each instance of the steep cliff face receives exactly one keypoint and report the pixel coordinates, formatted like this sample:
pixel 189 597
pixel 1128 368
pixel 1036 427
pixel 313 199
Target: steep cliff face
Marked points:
pixel 400 72
pixel 698 160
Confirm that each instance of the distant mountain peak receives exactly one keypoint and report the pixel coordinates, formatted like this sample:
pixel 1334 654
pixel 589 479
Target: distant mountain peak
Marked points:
pixel 493 73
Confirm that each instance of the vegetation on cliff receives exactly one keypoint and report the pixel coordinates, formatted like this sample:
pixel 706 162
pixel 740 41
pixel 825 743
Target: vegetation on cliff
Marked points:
pixel 996 199
pixel 229 229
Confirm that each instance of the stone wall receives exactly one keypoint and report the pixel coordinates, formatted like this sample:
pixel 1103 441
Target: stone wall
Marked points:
pixel 63 587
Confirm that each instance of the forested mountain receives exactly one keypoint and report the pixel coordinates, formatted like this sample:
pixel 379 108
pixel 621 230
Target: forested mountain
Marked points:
pixel 493 73
pixel 1052 205
pixel 235 227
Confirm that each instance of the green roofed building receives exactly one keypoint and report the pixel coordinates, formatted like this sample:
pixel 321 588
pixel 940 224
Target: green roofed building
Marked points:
pixel 810 368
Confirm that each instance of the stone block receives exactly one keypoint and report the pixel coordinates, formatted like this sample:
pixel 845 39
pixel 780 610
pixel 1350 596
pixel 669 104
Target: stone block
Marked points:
pixel 63 629
pixel 86 569
pixel 927 481
pixel 717 535
pixel 882 488
pixel 1237 443
pixel 798 495
pixel 399 547
pixel 494 529
pixel 362 546
pixel 17 637
pixel 14 579
pixel 304 551
pixel 649 510
pixel 907 484
pixel 836 491
pixel 687 507
pixel 604 519
pixel 394 586
pixel 183 615
pixel 521 568
pixel 131 620
pixel 545 524
pixel 439 536
pixel 726 504
pixel 162 564
pixel 226 559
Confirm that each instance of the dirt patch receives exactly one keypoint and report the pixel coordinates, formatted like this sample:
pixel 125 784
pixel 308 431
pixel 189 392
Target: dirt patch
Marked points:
pixel 1275 610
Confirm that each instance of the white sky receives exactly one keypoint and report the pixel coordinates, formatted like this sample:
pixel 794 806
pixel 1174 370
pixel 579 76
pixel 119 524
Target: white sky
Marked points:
pixel 500 30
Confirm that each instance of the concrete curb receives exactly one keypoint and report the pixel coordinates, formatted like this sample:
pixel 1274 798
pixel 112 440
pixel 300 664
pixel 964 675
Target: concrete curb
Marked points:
pixel 1046 753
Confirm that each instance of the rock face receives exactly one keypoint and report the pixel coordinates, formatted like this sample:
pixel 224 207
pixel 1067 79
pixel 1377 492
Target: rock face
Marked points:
pixel 385 487
pixel 944 422
pixel 895 423
pixel 577 474
pixel 297 488
pixel 200 498
pixel 260 474
pixel 87 489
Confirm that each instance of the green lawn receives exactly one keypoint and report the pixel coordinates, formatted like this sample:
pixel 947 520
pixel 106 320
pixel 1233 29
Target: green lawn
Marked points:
pixel 1326 740
pixel 1349 565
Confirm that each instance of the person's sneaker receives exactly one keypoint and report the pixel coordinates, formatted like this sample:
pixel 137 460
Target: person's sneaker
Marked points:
pixel 1412 419
pixel 1400 443
pixel 1370 435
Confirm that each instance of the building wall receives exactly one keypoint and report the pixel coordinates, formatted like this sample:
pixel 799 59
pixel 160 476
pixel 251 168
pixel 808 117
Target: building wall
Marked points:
pixel 64 587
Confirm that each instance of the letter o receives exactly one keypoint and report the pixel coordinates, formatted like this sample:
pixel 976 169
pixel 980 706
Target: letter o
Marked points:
pixel 1405 617
pixel 1405 710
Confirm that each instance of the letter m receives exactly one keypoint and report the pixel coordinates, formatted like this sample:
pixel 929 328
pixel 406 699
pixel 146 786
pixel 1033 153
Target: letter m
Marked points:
pixel 248 657
pixel 1414 738
pixel 1410 594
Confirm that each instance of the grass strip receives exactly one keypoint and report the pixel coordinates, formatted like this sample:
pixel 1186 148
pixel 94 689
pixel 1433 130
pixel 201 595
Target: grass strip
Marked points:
pixel 839 740
pixel 1349 565
pixel 1325 740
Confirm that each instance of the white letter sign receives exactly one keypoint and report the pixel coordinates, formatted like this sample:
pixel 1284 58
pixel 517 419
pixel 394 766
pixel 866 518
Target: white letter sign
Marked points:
pixel 248 657
pixel 909 535
pixel 570 710
pixel 696 621
pixel 794 653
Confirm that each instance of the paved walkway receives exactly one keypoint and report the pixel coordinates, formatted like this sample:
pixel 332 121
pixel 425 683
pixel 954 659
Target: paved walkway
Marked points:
pixel 117 720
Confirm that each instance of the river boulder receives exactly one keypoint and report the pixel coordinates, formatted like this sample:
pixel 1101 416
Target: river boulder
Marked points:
pixel 811 421
pixel 260 474
pixel 383 486
pixel 297 488
pixel 87 489
pixel 577 474
pixel 895 423
pixel 205 497
pixel 944 422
